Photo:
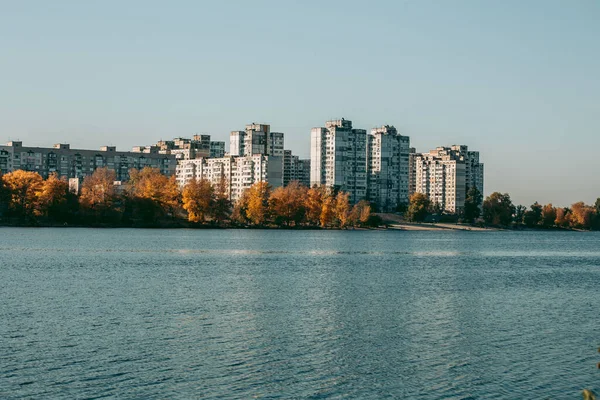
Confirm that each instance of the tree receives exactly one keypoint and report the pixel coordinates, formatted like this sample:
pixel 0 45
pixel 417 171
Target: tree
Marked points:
pixel 313 204
pixel 222 205
pixel 154 193
pixel 24 188
pixel 360 213
pixel 519 214
pixel 563 217
pixel 418 207
pixel 198 199
pixel 53 196
pixel 342 208
pixel 327 208
pixel 533 217
pixel 472 209
pixel 582 215
pixel 548 216
pixel 258 203
pixel 240 208
pixel 98 192
pixel 498 209
pixel 287 204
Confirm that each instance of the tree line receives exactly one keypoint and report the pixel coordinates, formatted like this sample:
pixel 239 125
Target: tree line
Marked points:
pixel 498 210
pixel 152 199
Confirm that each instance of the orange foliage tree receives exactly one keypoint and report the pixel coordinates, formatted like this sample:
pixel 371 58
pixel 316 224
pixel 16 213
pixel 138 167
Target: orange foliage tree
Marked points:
pixel 287 203
pixel 98 191
pixel 24 188
pixel 258 203
pixel 154 192
pixel 198 199
pixel 52 196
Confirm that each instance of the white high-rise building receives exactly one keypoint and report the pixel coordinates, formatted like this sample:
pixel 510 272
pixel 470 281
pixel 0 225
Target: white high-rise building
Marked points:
pixel 387 168
pixel 338 158
pixel 446 174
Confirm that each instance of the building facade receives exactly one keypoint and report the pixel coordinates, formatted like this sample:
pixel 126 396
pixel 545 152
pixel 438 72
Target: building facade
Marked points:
pixel 237 173
pixel 256 139
pixel 387 168
pixel 338 158
pixel 295 169
pixel 446 174
pixel 78 163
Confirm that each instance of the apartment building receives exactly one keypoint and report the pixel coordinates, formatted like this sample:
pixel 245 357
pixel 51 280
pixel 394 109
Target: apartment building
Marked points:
pixel 238 173
pixel 295 169
pixel 78 163
pixel 446 174
pixel 199 146
pixel 387 168
pixel 256 139
pixel 338 158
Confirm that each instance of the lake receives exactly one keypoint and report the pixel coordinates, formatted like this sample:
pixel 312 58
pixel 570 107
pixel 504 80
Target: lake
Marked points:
pixel 227 314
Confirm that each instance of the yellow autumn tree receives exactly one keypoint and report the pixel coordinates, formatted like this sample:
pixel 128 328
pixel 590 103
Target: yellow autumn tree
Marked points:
pixel 155 193
pixel 313 204
pixel 327 208
pixel 581 215
pixel 52 196
pixel 342 209
pixel 258 203
pixel 198 199
pixel 23 188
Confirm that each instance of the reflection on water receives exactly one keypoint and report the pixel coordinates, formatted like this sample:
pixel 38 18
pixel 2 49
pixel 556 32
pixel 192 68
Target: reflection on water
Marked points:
pixel 243 314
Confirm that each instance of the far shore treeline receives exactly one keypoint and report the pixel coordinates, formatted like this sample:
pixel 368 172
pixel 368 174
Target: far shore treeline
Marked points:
pixel 150 199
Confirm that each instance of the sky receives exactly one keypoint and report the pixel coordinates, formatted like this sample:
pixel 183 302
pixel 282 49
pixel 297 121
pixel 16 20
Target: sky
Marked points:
pixel 517 80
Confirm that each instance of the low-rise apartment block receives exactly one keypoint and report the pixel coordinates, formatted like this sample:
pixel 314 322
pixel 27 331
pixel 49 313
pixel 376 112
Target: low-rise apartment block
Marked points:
pixel 79 163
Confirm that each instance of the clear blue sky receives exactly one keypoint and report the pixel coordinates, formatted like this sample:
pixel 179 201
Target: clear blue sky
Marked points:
pixel 517 80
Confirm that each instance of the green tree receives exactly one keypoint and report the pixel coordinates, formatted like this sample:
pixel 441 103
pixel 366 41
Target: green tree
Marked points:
pixel 498 209
pixel 472 209
pixel 533 216
pixel 519 214
pixel 418 207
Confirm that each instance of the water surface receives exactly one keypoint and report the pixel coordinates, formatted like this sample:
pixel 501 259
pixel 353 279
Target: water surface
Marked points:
pixel 155 314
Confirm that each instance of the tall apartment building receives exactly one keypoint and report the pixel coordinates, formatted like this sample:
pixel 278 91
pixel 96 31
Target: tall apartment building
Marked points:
pixel 387 168
pixel 238 173
pixel 78 163
pixel 295 169
pixel 338 158
pixel 446 174
pixel 256 139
